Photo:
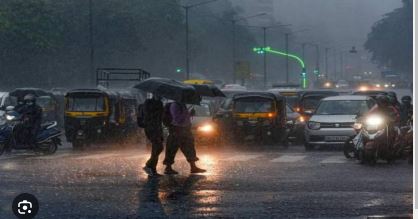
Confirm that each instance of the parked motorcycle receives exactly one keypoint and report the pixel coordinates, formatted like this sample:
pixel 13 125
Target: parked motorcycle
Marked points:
pixel 47 142
pixel 373 141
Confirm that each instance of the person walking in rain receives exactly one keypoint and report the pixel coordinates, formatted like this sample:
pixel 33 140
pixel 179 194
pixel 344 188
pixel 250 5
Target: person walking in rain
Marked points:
pixel 153 111
pixel 180 136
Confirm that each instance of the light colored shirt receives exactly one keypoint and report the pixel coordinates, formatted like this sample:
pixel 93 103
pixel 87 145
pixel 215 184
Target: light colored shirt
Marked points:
pixel 180 115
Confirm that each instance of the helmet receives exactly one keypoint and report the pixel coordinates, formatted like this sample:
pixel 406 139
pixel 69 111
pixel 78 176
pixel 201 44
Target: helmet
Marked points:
pixel 29 98
pixel 382 100
pixel 406 99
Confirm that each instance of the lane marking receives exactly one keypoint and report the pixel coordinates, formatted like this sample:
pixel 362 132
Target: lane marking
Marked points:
pixel 335 159
pixel 137 156
pixel 288 158
pixel 50 157
pixel 94 156
pixel 242 157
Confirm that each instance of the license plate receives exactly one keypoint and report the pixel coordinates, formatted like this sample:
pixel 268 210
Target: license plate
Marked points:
pixel 336 138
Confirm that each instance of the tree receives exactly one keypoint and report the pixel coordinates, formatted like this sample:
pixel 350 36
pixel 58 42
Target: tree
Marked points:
pixel 391 40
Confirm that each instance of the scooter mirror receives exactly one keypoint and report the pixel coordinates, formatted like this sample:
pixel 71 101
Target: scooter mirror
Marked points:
pixel 10 108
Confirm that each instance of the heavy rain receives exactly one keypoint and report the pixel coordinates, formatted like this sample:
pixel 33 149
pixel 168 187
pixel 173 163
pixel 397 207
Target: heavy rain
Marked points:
pixel 206 109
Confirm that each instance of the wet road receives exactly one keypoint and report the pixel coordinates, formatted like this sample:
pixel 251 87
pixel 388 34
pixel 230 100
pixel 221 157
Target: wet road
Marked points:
pixel 257 183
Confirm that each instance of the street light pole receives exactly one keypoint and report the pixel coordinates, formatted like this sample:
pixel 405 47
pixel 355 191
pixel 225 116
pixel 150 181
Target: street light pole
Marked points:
pixel 234 52
pixel 234 37
pixel 326 63
pixel 91 41
pixel 186 8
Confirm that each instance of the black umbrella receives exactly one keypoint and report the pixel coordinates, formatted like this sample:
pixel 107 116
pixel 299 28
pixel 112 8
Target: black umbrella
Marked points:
pixel 170 89
pixel 208 90
pixel 21 92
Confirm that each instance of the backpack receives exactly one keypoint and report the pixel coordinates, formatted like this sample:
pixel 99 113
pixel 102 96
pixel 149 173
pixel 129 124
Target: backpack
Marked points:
pixel 141 116
pixel 167 118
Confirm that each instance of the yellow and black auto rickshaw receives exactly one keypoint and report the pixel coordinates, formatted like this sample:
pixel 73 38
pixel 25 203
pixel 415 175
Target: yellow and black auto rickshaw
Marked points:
pixel 260 116
pixel 93 115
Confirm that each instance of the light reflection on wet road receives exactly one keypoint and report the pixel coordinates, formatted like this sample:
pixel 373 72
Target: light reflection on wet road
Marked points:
pixel 245 183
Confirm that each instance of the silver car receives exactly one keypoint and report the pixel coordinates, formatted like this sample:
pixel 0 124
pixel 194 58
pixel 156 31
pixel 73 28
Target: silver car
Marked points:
pixel 333 120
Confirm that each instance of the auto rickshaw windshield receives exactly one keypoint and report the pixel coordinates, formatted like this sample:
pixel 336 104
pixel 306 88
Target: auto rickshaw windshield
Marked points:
pixel 254 105
pixel 311 102
pixel 86 104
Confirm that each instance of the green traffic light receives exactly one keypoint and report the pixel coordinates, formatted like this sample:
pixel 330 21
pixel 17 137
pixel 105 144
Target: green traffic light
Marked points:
pixel 178 70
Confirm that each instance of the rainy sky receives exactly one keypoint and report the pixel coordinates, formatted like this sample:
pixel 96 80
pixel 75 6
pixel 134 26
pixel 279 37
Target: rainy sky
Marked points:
pixel 336 22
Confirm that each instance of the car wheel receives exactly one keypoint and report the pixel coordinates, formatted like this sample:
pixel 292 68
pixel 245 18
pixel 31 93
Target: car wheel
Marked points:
pixel 2 148
pixel 309 147
pixel 349 149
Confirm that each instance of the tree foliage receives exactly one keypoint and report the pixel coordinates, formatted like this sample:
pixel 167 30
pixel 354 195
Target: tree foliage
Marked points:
pixel 391 38
pixel 46 42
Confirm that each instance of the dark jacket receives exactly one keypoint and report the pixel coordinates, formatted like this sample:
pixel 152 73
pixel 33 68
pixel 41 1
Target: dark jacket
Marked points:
pixel 153 113
pixel 406 111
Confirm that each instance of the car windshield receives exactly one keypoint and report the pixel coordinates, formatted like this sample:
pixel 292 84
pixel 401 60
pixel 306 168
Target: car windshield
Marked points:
pixel 86 104
pixel 202 111
pixel 342 107
pixel 254 105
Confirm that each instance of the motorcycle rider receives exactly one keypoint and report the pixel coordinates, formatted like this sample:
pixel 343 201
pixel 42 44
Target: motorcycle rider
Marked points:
pixel 406 109
pixel 20 106
pixel 32 119
pixel 389 111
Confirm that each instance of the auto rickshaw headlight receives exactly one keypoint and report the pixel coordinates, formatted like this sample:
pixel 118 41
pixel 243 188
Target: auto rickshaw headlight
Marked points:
pixel 206 128
pixel 314 125
pixel 301 119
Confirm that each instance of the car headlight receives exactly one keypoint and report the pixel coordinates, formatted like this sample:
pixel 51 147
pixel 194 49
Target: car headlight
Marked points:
pixel 314 125
pixel 386 85
pixel 206 128
pixel 393 85
pixel 10 117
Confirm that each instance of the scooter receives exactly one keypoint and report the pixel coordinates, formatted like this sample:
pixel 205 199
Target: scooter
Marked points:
pixel 373 141
pixel 47 142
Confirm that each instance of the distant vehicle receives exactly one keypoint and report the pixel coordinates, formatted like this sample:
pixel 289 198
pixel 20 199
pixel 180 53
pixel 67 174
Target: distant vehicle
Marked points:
pixel 333 120
pixel 308 100
pixel 256 115
pixel 203 127
pixel 297 125
pixel 94 115
pixel 286 86
pixel 234 87
pixel 291 95
pixel 341 84
pixel 374 93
